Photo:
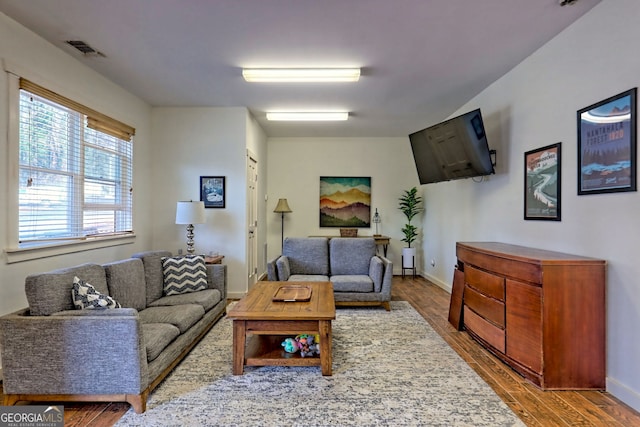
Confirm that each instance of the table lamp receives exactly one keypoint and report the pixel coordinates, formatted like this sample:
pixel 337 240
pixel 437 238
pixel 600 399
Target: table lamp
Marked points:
pixel 376 220
pixel 190 213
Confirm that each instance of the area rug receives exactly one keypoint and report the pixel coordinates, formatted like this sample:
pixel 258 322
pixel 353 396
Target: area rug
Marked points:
pixel 389 369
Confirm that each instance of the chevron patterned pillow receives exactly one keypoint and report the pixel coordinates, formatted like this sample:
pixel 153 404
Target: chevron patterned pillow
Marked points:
pixel 85 296
pixel 184 274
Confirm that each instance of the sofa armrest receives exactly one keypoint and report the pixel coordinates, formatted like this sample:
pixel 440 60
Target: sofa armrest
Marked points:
pixel 217 278
pixel 79 352
pixel 284 268
pixel 387 277
pixel 376 273
pixel 272 270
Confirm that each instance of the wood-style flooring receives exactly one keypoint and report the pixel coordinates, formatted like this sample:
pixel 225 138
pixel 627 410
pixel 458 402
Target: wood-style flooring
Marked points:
pixel 534 407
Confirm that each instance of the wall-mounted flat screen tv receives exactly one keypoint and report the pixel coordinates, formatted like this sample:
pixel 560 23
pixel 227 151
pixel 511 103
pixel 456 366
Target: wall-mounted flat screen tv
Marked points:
pixel 454 149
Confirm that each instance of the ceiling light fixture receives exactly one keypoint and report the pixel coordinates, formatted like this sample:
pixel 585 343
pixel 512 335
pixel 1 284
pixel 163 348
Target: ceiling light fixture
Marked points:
pixel 301 75
pixel 309 116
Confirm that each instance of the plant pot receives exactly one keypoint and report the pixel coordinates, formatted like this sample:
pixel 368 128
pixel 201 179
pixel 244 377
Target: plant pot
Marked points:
pixel 408 257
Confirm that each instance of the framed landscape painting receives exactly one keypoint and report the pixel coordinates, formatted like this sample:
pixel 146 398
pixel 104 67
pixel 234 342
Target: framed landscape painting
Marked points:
pixel 542 183
pixel 345 201
pixel 607 145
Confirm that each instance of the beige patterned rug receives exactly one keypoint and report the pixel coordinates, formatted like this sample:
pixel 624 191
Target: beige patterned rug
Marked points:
pixel 389 369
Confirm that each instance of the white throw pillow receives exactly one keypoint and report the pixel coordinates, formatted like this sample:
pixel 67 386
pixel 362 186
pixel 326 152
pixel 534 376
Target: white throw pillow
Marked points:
pixel 85 296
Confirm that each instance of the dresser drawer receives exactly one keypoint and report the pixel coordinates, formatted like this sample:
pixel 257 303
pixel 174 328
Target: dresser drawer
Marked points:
pixel 487 283
pixel 489 308
pixel 490 333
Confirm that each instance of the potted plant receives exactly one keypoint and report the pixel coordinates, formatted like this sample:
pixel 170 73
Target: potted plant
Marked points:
pixel 410 205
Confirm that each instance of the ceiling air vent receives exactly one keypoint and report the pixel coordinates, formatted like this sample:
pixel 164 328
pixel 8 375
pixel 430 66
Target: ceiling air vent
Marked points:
pixel 84 48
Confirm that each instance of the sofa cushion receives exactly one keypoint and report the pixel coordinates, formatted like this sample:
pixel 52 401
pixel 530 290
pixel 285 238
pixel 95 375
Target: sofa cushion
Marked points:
pixel 85 296
pixel 182 316
pixel 157 336
pixel 125 280
pixel 351 255
pixel 153 277
pixel 207 299
pixel 307 255
pixel 352 283
pixel 50 292
pixel 184 274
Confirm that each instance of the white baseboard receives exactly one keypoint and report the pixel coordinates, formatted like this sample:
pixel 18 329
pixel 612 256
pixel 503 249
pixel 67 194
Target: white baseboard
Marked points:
pixel 235 295
pixel 444 285
pixel 624 393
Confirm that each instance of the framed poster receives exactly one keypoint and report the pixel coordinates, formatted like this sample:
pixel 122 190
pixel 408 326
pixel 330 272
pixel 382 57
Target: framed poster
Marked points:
pixel 212 191
pixel 542 183
pixel 607 145
pixel 345 201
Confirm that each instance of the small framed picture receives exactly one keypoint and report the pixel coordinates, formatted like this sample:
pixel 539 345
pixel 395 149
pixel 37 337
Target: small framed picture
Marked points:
pixel 607 145
pixel 212 191
pixel 542 183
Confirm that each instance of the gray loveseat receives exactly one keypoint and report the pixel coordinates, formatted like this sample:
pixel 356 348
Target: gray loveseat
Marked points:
pixel 53 352
pixel 359 276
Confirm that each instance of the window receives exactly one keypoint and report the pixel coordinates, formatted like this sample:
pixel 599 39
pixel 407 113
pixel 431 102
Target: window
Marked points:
pixel 75 170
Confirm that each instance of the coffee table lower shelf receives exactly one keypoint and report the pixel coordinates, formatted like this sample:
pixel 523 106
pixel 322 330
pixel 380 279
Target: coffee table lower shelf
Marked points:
pixel 266 350
pixel 258 343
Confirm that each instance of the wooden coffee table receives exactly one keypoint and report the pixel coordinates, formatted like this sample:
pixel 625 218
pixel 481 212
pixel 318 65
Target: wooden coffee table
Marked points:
pixel 261 324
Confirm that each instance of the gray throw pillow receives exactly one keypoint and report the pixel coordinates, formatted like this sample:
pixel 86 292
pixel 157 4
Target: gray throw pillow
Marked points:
pixel 184 274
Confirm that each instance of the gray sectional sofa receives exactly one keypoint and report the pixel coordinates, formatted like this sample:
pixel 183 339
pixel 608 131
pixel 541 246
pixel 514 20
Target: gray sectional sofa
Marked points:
pixel 53 352
pixel 359 276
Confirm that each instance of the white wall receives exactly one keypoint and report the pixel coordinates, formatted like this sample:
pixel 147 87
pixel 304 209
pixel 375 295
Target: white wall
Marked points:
pixel 535 105
pixel 21 50
pixel 56 70
pixel 194 142
pixel 295 166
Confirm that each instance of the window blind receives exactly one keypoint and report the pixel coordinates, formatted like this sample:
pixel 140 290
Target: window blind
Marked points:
pixel 75 170
pixel 95 119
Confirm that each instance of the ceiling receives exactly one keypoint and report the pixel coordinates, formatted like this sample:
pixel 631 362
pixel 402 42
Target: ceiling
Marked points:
pixel 421 59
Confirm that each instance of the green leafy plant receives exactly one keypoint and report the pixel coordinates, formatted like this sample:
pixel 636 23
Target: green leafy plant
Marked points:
pixel 410 205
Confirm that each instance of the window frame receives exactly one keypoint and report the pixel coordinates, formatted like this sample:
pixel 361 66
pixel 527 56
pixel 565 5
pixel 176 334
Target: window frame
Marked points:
pixel 13 250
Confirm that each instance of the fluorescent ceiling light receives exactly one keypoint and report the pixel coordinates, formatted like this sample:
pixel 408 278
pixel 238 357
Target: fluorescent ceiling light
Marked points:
pixel 301 75
pixel 308 115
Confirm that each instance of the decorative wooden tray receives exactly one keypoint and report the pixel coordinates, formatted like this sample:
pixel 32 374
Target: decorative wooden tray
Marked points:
pixel 292 293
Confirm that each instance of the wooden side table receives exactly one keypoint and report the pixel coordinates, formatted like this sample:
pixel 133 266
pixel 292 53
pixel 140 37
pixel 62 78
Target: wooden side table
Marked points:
pixel 213 259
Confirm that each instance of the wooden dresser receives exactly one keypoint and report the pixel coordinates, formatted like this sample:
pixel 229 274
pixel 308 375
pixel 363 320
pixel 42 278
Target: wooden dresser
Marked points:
pixel 541 312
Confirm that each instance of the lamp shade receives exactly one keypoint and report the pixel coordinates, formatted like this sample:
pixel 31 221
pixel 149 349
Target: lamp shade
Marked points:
pixel 190 213
pixel 282 206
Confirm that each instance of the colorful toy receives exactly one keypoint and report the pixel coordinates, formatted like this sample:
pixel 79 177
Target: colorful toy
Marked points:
pixel 308 344
pixel 290 345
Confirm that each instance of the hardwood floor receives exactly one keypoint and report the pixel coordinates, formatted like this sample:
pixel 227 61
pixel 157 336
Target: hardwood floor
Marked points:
pixel 534 407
